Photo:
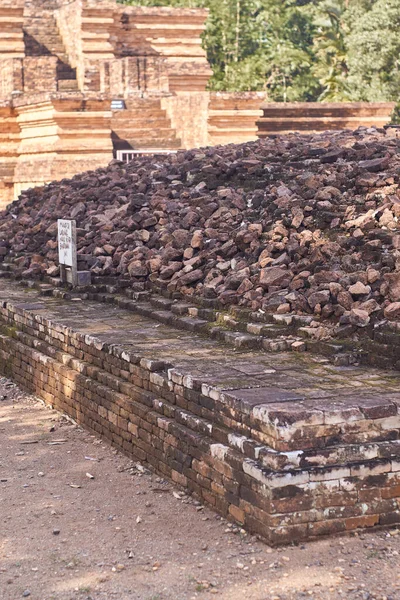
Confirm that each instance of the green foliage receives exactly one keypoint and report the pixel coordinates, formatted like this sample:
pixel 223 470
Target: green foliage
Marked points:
pixel 373 46
pixel 254 45
pixel 395 117
pixel 330 67
pixel 302 50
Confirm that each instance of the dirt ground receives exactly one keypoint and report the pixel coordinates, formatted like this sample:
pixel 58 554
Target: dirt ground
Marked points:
pixel 79 521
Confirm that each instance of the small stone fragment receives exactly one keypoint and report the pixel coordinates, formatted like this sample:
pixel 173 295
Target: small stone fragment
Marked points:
pixel 392 311
pixel 359 317
pixel 359 289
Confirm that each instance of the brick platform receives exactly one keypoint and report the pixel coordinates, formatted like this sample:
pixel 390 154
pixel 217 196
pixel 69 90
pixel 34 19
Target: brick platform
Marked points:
pixel 287 445
pixel 310 117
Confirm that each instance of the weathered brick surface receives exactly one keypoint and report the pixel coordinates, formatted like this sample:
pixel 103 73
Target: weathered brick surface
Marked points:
pixel 153 412
pixel 320 116
pixel 40 74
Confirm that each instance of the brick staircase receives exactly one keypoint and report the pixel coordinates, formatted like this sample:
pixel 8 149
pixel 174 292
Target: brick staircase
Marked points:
pixel 42 38
pixel 143 125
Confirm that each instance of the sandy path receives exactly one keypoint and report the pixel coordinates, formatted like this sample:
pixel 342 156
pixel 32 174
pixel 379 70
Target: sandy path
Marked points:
pixel 128 535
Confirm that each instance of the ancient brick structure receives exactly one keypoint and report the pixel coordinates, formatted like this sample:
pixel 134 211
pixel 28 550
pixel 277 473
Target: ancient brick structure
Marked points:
pixel 234 115
pixel 309 117
pixel 62 63
pixel 74 137
pixel 289 449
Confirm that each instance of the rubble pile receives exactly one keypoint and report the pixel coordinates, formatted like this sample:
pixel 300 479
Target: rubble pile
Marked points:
pixel 305 224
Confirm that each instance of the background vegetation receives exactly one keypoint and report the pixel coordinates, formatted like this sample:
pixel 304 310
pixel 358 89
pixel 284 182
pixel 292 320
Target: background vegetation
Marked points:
pixel 302 50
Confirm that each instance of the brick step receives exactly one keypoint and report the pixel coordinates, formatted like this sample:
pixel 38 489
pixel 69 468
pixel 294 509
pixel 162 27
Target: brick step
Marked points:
pixel 50 42
pixel 207 424
pixel 132 134
pixel 43 36
pixel 324 124
pixel 279 326
pixel 41 47
pixel 67 85
pixel 140 115
pixel 69 75
pixel 220 137
pixel 183 320
pixel 151 122
pixel 144 104
pixel 283 111
pixel 65 72
pixel 50 34
pixel 145 143
pixel 275 333
pixel 382 355
pixel 240 122
pixel 271 333
pixel 139 112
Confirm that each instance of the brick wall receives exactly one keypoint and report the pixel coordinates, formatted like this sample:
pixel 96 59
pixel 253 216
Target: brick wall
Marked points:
pixel 69 20
pixel 10 76
pixel 309 117
pixel 188 113
pixel 40 74
pixel 74 137
pixel 9 141
pixel 126 76
pixel 233 116
pixel 156 415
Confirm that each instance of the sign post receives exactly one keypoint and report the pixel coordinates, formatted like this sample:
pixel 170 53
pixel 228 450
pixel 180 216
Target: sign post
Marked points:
pixel 67 251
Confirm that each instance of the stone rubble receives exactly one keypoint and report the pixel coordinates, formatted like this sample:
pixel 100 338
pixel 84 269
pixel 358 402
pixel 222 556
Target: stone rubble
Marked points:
pixel 296 224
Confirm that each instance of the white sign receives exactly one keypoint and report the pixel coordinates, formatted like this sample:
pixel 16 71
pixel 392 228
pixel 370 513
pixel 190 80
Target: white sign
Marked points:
pixel 66 242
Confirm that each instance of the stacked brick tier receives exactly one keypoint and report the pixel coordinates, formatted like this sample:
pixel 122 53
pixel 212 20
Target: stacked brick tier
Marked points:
pixel 9 141
pixel 280 118
pixel 233 115
pixel 128 76
pixel 290 447
pixel 44 48
pixel 97 22
pixel 60 136
pixel 11 34
pixel 171 33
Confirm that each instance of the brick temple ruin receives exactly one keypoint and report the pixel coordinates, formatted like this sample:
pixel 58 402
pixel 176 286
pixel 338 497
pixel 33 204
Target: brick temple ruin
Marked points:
pixel 62 64
pixel 241 331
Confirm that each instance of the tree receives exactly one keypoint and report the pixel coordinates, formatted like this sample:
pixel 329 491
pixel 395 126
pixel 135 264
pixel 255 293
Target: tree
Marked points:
pixel 302 50
pixel 330 66
pixel 373 49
